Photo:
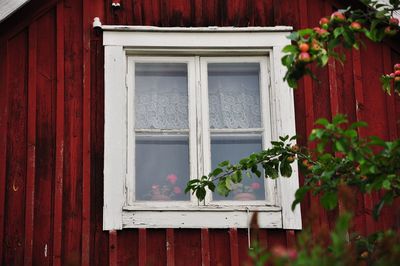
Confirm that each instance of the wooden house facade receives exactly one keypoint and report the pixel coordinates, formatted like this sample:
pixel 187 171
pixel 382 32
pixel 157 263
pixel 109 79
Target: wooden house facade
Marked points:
pixel 52 129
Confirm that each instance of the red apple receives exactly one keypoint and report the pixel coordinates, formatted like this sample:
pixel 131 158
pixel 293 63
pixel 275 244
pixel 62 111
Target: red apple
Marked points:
pixel 338 17
pixel 389 31
pixel 392 75
pixel 323 21
pixel 304 57
pixel 315 45
pixel 397 73
pixel 320 31
pixel 356 26
pixel 397 67
pixel 304 47
pixel 393 21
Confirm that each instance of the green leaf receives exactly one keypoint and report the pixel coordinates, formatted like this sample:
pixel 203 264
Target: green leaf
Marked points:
pixel 270 171
pixel 339 146
pixel 290 49
pixel 222 189
pixel 223 164
pixel 201 193
pixel 338 31
pixel 294 36
pixel 329 200
pixel 237 177
pixel 386 184
pixel 299 195
pixel 216 172
pixel 322 122
pixel 285 169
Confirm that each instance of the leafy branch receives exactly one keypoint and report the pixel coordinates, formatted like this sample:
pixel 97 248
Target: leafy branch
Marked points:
pixel 341 159
pixel 341 28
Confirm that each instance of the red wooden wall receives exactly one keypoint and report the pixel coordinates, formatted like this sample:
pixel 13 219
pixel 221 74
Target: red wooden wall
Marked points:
pixel 51 130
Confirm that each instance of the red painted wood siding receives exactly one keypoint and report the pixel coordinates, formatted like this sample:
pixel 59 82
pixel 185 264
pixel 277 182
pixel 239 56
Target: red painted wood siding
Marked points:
pixel 52 122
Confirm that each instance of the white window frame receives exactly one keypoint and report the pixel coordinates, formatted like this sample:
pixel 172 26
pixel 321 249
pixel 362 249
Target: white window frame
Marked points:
pixel 125 44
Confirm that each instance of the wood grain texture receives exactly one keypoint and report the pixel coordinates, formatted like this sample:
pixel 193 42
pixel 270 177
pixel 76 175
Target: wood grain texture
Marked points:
pixel 16 160
pixel 52 124
pixel 73 130
pixel 31 143
pixel 59 153
pixel 86 87
pixel 3 138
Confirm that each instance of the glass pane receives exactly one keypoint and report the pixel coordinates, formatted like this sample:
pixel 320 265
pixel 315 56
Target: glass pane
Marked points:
pixel 162 167
pixel 161 96
pixel 234 148
pixel 234 95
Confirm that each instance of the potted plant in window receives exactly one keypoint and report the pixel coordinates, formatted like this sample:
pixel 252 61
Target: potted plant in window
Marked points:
pixel 165 191
pixel 246 192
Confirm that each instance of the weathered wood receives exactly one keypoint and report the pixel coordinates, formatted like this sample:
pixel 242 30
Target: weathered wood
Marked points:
pixel 113 248
pixel 31 144
pixel 142 258
pixel 86 116
pixel 205 247
pixel 16 160
pixel 45 138
pixel 170 246
pixel 51 152
pixel 59 153
pixel 3 138
pixel 234 246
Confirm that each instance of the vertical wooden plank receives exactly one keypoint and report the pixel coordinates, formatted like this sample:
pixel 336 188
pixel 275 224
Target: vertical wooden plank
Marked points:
pixel 16 156
pixel 390 99
pixel 290 238
pixel 219 240
pixel 99 238
pixel 128 243
pixel 333 90
pixel 142 247
pixel 86 192
pixel 3 138
pixel 359 105
pixel 45 138
pixel 234 246
pixel 59 167
pixel 31 147
pixel 156 249
pixel 113 248
pixel 205 247
pixel 73 130
pixel 187 242
pixel 170 246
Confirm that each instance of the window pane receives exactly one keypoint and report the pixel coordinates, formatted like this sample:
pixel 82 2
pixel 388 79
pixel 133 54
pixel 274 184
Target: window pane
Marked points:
pixel 162 167
pixel 161 96
pixel 234 148
pixel 234 95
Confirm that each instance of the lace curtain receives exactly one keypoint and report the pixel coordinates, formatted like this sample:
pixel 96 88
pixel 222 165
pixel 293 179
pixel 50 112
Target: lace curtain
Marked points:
pixel 161 99
pixel 234 95
pixel 161 96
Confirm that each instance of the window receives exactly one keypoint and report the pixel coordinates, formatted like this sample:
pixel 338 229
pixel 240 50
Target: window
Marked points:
pixel 177 102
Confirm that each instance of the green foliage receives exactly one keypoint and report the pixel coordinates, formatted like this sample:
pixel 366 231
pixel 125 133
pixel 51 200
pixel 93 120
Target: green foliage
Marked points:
pixel 342 158
pixel 342 28
pixel 336 248
pixel 275 162
pixel 342 164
